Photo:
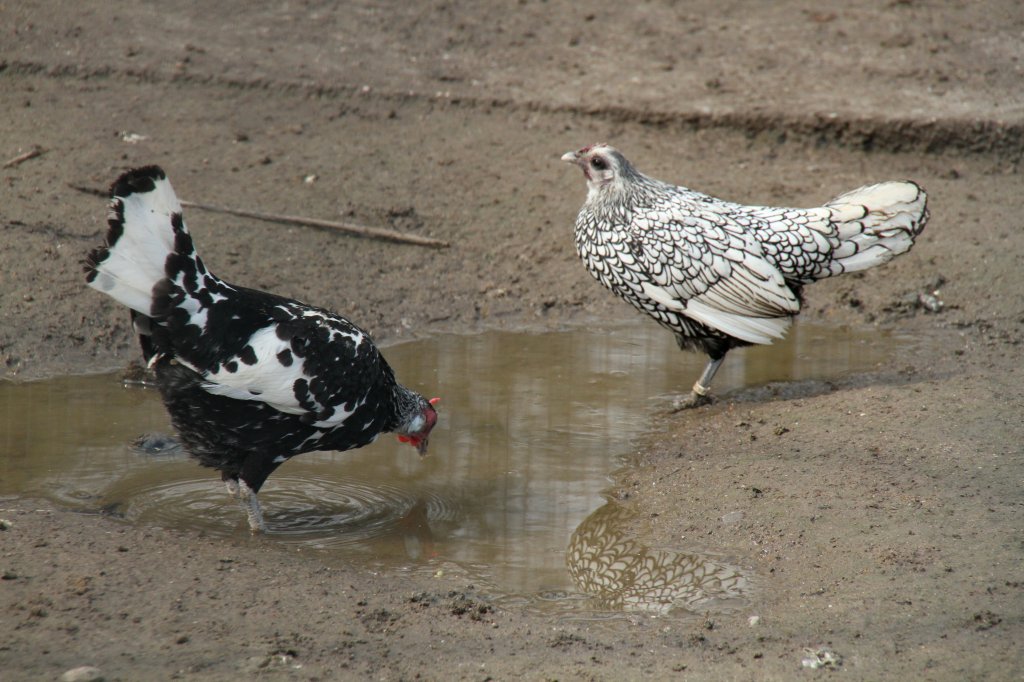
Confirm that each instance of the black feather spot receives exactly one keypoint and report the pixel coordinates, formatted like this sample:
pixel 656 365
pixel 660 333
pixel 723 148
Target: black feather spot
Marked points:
pixel 162 305
pixel 301 390
pixel 204 297
pixel 285 357
pixel 175 263
pixel 177 222
pixel 248 355
pixel 115 221
pixel 95 257
pixel 287 330
pixel 137 181
pixel 231 366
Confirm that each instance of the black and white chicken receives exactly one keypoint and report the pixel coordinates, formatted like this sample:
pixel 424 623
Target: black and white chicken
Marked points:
pixel 250 379
pixel 720 274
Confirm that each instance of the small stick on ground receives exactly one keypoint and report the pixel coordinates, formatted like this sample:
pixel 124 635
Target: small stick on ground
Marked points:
pixel 351 228
pixel 25 156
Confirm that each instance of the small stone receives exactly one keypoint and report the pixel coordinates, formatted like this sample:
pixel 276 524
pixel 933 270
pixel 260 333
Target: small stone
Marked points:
pixel 85 673
pixel 732 517
pixel 930 301
pixel 821 658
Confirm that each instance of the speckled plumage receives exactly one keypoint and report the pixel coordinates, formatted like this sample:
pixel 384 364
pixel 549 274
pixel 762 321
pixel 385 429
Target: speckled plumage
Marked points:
pixel 249 378
pixel 720 274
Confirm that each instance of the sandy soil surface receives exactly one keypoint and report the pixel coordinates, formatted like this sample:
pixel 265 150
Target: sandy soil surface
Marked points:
pixel 881 514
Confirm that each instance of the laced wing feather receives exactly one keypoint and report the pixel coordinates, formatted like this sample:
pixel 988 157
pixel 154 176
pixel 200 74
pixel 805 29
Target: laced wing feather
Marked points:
pixel 753 287
pixel 704 266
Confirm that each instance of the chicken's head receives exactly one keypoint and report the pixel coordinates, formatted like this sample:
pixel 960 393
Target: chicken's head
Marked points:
pixel 416 431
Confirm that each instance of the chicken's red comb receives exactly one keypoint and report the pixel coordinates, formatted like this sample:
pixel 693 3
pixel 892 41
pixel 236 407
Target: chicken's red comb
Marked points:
pixel 404 439
pixel 434 401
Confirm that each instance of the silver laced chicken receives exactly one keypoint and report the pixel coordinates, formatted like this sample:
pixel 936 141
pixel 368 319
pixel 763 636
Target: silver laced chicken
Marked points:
pixel 721 275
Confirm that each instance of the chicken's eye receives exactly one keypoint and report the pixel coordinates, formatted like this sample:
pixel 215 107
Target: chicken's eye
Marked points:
pixel 597 163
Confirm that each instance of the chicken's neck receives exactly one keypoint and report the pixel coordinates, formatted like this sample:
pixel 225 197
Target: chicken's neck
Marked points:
pixel 406 407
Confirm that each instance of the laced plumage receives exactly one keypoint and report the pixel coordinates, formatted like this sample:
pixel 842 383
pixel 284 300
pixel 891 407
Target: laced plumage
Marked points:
pixel 720 274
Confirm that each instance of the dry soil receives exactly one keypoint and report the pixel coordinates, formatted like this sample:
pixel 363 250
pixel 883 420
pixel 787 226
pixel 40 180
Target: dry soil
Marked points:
pixel 881 514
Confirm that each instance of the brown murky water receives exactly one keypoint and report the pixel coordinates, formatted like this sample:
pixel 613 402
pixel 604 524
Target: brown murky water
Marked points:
pixel 531 427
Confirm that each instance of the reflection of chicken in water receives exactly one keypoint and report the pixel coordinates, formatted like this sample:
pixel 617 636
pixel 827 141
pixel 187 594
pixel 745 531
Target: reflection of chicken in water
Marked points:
pixel 625 574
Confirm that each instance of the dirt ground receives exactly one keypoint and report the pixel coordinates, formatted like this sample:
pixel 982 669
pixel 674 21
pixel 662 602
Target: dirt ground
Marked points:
pixel 881 513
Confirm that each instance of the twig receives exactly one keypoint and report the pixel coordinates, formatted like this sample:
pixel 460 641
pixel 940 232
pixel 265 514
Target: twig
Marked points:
pixel 350 228
pixel 90 190
pixel 22 158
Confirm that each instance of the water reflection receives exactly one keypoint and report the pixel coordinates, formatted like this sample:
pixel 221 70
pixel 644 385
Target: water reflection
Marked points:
pixel 531 425
pixel 623 574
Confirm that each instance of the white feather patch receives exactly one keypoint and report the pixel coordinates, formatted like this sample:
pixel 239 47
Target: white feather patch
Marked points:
pixel 267 381
pixel 136 261
pixel 761 330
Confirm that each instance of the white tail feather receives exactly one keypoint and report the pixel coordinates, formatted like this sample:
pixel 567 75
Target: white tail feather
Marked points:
pixel 140 239
pixel 876 223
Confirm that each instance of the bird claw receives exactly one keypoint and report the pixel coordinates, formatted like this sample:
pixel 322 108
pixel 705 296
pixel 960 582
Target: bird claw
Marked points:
pixel 691 401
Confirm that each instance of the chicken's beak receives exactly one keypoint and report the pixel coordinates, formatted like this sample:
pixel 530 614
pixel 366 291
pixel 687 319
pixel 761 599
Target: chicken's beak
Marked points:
pixel 421 447
pixel 570 157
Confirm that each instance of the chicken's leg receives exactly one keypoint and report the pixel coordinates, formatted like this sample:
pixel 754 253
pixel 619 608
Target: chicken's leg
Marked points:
pixel 699 395
pixel 241 491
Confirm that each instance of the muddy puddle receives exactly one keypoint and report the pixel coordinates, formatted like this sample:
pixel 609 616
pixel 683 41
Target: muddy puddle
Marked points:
pixel 531 427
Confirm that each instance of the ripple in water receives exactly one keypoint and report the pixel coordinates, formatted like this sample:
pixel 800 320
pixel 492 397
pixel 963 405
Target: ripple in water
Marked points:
pixel 320 512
